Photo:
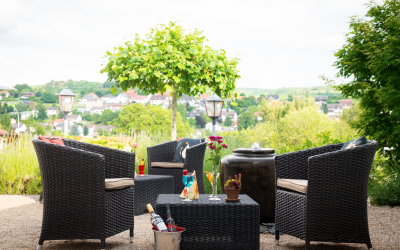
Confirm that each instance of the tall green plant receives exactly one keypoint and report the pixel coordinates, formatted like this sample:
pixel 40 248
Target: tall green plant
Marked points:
pixel 19 168
pixel 370 57
pixel 170 59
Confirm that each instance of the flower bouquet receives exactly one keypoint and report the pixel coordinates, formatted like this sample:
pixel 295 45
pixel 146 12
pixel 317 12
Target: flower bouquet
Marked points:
pixel 216 146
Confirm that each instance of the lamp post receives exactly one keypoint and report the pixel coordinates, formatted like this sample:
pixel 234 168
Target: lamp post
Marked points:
pixel 214 106
pixel 66 100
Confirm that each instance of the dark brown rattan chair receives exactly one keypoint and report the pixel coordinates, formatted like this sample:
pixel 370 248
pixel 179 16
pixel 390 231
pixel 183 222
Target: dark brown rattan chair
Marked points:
pixel 165 153
pixel 76 204
pixel 335 206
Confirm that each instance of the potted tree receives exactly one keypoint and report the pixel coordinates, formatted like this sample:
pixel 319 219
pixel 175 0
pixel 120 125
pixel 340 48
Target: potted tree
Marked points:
pixel 232 188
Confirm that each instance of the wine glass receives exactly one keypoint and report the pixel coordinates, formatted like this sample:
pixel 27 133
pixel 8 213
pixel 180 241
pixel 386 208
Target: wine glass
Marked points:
pixel 210 178
pixel 187 181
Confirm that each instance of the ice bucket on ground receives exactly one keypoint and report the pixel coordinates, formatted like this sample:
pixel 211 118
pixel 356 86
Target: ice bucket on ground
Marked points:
pixel 167 241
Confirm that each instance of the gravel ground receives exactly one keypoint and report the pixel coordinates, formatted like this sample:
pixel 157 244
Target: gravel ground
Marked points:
pixel 21 220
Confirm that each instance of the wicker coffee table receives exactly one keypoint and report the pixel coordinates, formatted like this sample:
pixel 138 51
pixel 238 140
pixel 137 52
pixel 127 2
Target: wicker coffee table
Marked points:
pixel 214 224
pixel 147 189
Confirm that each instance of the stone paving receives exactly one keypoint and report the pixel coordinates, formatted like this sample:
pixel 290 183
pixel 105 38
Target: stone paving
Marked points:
pixel 21 220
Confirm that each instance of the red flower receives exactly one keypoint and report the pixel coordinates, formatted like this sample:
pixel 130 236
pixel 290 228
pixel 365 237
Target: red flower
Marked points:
pixel 224 145
pixel 219 137
pixel 212 138
pixel 210 144
pixel 212 147
pixel 220 141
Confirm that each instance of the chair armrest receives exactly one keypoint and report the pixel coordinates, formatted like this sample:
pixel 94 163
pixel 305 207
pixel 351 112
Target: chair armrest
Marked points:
pixel 118 163
pixel 163 152
pixel 195 158
pixel 295 165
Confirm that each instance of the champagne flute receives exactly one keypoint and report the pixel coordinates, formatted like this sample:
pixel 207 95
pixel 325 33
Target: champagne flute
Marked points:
pixel 187 181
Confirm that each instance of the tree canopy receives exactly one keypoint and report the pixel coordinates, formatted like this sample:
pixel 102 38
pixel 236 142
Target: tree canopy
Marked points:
pixel 153 119
pixel 182 110
pixel 20 106
pixel 48 97
pixel 5 122
pixel 23 88
pixel 324 108
pixel 246 120
pixel 42 114
pixel 170 59
pixel 228 121
pixel 85 130
pixel 75 130
pixel 108 116
pixel 371 58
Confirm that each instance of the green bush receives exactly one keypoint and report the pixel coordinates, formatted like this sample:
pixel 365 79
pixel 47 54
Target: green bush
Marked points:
pixel 385 190
pixel 384 182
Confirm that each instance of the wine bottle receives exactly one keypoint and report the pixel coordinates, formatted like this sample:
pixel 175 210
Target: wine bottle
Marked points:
pixel 156 220
pixel 171 226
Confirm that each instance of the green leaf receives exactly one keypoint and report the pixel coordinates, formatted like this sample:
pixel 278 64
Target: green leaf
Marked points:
pixel 114 90
pixel 133 76
pixel 176 79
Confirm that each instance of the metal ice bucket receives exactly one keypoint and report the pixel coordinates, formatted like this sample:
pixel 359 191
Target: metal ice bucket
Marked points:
pixel 168 241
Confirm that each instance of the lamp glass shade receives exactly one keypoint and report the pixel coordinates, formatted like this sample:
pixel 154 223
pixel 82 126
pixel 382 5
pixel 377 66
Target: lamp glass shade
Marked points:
pixel 66 100
pixel 214 108
pixel 210 109
pixel 218 108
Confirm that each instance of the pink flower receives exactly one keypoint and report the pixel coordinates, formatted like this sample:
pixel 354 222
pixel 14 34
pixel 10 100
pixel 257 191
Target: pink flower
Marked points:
pixel 219 137
pixel 212 147
pixel 212 138
pixel 224 145
pixel 220 141
pixel 211 143
pixel 134 145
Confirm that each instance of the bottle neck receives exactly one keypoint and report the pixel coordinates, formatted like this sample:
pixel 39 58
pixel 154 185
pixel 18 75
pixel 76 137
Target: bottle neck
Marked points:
pixel 168 212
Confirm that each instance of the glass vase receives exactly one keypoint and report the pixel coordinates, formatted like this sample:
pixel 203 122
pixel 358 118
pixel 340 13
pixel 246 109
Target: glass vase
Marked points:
pixel 215 175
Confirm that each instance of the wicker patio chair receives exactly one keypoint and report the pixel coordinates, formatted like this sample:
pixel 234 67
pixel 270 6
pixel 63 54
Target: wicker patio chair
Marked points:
pixel 76 204
pixel 334 208
pixel 165 153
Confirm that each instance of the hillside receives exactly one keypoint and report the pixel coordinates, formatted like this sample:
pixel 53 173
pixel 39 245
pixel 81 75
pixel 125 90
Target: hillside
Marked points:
pixel 284 92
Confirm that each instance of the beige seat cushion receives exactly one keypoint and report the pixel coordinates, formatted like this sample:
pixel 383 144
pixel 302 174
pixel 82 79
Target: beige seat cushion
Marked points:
pixel 167 164
pixel 118 183
pixel 293 184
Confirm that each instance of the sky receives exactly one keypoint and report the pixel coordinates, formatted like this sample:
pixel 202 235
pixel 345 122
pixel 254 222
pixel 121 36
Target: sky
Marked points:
pixel 280 43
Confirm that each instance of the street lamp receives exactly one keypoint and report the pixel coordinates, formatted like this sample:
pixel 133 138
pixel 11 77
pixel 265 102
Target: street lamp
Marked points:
pixel 214 106
pixel 66 100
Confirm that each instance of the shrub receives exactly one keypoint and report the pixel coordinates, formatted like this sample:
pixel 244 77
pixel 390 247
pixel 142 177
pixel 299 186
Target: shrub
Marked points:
pixel 384 182
pixel 385 190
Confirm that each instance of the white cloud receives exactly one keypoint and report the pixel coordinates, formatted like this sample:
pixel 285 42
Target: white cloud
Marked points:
pixel 280 43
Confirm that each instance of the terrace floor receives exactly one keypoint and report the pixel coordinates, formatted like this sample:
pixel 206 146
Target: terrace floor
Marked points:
pixel 21 218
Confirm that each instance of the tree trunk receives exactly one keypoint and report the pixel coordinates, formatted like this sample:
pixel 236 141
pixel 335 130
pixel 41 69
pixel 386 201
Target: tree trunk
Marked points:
pixel 173 120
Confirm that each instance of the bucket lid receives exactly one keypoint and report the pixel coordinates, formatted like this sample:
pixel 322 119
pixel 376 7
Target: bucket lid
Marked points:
pixel 258 151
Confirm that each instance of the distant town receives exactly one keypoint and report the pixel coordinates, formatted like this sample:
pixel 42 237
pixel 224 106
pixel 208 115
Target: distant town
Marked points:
pixel 87 117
